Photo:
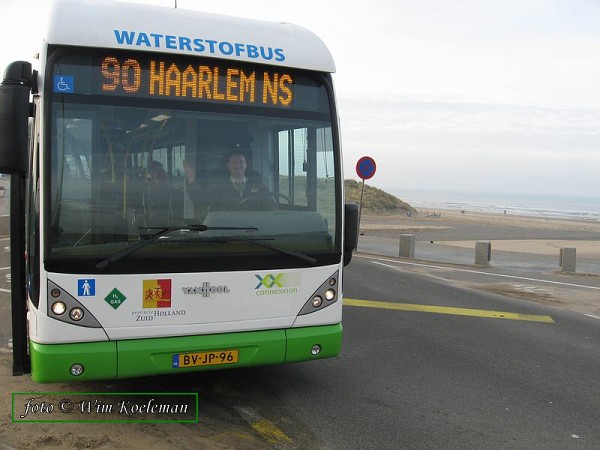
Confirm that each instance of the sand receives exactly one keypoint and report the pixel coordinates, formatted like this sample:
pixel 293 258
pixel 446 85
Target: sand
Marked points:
pixel 522 234
pixel 589 249
pixel 521 246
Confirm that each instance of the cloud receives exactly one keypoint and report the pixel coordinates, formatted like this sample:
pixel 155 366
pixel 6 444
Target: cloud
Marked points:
pixel 503 92
pixel 411 115
pixel 454 145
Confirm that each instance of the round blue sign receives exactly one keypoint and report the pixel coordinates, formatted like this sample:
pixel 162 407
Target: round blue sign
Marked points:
pixel 366 167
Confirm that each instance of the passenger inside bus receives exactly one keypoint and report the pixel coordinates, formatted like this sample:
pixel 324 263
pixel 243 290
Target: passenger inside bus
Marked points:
pixel 157 197
pixel 195 206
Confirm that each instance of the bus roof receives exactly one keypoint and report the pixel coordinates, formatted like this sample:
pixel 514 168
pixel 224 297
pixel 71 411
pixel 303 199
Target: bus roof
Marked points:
pixel 119 25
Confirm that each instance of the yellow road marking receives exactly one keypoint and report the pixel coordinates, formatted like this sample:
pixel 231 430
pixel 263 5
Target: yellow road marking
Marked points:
pixel 447 310
pixel 271 433
pixel 267 429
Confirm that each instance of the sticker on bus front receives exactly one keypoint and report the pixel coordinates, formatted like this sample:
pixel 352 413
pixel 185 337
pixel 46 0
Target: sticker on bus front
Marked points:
pixel 115 298
pixel 64 84
pixel 86 287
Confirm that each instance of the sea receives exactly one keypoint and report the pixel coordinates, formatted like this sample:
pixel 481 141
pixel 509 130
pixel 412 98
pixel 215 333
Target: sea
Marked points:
pixel 551 206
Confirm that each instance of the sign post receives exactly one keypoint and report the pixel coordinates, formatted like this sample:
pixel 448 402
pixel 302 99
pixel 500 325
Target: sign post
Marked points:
pixel 365 169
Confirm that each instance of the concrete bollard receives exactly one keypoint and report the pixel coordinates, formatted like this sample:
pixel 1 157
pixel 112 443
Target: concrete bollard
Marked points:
pixel 568 259
pixel 407 246
pixel 483 253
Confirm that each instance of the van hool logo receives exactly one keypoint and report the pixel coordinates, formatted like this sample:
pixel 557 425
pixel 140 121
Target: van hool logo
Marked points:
pixel 205 290
pixel 281 283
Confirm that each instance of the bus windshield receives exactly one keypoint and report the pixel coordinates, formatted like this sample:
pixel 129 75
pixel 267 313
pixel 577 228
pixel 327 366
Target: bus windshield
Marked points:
pixel 144 145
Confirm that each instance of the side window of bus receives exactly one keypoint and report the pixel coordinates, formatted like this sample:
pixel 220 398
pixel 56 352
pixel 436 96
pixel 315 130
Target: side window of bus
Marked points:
pixel 306 168
pixel 70 177
pixel 292 165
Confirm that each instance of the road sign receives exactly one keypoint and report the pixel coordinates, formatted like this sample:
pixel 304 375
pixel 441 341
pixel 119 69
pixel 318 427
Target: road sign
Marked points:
pixel 366 167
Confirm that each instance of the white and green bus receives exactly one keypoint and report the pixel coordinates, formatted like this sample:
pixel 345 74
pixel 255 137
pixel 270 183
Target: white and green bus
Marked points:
pixel 133 267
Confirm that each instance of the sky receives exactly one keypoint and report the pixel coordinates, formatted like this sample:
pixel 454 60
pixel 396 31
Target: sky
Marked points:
pixel 499 96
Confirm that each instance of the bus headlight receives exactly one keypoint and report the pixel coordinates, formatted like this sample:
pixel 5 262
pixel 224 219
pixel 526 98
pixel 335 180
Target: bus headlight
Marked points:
pixel 64 307
pixel 324 296
pixel 76 314
pixel 58 308
pixel 315 350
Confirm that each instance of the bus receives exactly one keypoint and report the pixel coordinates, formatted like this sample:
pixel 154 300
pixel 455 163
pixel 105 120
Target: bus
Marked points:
pixel 120 146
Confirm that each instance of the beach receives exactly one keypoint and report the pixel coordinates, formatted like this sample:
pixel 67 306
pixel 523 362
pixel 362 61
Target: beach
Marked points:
pixel 506 232
pixel 519 243
pixel 524 260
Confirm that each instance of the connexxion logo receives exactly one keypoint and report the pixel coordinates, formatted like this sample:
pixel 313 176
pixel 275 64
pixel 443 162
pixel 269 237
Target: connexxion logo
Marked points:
pixel 269 281
pixel 280 283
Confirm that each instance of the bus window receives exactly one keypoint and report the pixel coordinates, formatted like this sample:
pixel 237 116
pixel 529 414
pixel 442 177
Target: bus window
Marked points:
pixel 306 169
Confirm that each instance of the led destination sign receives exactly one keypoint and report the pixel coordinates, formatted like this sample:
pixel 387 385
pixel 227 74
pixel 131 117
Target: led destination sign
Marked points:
pixel 220 83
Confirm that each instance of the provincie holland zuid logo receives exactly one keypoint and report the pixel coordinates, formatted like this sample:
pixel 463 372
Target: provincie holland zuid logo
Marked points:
pixel 157 293
pixel 277 284
pixel 156 301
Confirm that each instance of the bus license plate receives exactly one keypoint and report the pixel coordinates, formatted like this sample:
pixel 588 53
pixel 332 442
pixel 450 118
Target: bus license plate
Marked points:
pixel 205 358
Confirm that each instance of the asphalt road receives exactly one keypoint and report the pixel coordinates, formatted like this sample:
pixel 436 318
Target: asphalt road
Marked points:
pixel 431 380
pixel 425 365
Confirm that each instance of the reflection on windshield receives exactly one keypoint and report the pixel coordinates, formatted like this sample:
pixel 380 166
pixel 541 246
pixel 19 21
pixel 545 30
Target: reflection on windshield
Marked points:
pixel 193 232
pixel 121 174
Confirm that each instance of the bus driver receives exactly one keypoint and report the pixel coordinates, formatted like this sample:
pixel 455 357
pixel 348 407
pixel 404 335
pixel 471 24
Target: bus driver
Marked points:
pixel 231 192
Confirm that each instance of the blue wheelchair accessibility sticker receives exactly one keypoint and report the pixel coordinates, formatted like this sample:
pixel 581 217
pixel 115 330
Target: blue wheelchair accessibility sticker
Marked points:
pixel 64 84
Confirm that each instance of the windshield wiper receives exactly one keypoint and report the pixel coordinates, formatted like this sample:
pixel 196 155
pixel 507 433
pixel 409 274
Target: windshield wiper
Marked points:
pixel 155 237
pixel 257 241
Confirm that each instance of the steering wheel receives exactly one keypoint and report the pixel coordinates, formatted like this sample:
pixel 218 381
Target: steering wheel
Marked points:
pixel 275 196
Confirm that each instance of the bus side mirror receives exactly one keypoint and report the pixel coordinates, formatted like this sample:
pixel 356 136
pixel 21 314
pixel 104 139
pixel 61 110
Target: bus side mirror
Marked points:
pixel 14 117
pixel 350 231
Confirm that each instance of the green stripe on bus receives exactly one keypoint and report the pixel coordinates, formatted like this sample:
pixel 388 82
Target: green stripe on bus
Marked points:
pixel 141 357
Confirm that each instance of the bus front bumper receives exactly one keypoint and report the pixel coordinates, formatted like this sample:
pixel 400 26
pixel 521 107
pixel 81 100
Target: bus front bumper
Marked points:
pixel 87 361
